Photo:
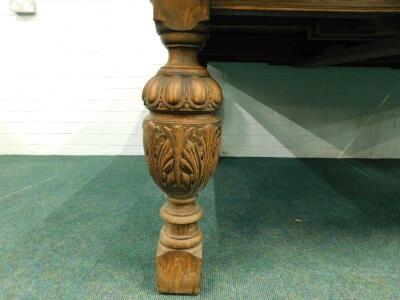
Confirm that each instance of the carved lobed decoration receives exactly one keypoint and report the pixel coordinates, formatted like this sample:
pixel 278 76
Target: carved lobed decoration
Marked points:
pixel 178 92
pixel 181 138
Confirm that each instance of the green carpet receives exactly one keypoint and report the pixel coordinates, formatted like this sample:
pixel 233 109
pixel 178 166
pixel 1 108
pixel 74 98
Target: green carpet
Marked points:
pixel 87 228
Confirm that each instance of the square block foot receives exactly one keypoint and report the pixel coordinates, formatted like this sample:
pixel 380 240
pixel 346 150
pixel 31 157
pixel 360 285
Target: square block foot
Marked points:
pixel 178 272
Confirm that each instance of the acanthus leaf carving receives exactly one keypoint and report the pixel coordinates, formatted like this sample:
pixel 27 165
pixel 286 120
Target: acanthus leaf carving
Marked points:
pixel 182 156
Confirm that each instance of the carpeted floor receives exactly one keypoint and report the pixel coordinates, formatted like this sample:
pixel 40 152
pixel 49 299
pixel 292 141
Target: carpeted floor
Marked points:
pixel 87 228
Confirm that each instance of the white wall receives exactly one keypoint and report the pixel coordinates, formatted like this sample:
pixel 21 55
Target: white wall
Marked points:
pixel 71 80
pixel 71 77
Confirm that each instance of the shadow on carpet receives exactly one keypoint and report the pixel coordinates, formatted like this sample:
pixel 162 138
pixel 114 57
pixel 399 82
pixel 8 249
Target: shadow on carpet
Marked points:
pixel 87 228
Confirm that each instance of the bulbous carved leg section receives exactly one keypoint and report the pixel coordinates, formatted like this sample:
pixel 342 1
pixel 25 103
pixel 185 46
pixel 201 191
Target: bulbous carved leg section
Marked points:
pixel 182 152
pixel 182 137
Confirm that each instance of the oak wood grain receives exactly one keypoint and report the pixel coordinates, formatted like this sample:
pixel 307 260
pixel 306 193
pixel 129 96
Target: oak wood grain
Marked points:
pixel 181 138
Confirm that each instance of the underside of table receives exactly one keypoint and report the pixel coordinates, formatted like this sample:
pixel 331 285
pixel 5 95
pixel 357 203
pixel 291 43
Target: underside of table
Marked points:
pixel 182 133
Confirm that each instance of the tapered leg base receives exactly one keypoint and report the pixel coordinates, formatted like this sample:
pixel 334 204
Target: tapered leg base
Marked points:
pixel 178 271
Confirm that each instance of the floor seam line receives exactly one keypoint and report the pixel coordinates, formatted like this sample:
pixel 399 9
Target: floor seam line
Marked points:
pixel 27 188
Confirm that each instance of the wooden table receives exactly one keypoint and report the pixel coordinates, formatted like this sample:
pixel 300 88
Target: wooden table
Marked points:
pixel 182 133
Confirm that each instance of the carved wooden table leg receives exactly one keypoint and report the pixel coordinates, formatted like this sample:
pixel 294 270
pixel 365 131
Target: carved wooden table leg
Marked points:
pixel 182 138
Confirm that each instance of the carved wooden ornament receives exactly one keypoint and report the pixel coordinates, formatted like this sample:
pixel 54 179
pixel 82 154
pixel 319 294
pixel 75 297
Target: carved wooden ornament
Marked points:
pixel 181 137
